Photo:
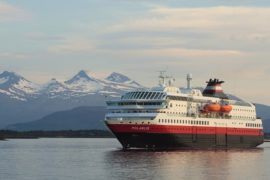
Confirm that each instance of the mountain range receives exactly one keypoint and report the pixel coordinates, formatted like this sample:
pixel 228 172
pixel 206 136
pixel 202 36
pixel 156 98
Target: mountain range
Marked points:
pixel 23 100
pixel 21 89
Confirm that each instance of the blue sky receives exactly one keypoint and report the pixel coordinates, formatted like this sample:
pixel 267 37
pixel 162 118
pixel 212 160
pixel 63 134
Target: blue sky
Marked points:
pixel 215 38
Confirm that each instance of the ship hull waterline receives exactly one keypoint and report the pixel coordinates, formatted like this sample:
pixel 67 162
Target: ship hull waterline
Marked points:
pixel 181 141
pixel 146 140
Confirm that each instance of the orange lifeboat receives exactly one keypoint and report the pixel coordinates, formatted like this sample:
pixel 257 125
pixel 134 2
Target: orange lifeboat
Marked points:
pixel 226 108
pixel 214 107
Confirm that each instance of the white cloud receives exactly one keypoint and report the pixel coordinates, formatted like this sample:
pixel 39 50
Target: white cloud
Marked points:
pixel 176 53
pixel 165 18
pixel 9 12
pixel 215 28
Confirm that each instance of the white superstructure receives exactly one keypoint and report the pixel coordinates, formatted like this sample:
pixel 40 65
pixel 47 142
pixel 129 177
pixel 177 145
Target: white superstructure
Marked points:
pixel 168 104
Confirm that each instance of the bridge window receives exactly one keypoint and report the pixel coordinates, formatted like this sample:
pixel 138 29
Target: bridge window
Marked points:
pixel 149 95
pixel 155 96
pixel 152 95
pixel 139 95
pixel 130 95
pixel 163 96
pixel 159 96
pixel 134 95
pixel 142 95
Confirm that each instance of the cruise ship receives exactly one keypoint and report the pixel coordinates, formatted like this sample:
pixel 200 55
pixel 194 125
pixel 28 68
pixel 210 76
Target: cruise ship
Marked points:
pixel 168 117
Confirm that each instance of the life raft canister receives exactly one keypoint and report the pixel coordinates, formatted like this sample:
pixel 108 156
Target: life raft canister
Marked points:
pixel 214 107
pixel 226 108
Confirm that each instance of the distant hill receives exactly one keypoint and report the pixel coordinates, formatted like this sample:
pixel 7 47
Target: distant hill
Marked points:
pixel 266 125
pixel 80 118
pixel 263 111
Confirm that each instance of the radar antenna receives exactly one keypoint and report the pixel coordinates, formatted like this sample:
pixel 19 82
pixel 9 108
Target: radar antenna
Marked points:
pixel 163 78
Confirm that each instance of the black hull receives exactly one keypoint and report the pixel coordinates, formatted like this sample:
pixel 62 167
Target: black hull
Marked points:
pixel 178 141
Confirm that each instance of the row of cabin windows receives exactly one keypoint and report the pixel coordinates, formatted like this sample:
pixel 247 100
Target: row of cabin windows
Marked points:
pixel 179 98
pixel 140 103
pixel 146 111
pixel 253 125
pixel 136 111
pixel 176 113
pixel 144 95
pixel 178 105
pixel 246 110
pixel 130 118
pixel 174 121
pixel 243 117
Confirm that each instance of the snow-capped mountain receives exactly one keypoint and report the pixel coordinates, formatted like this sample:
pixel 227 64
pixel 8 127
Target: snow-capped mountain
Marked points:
pixel 116 84
pixel 53 89
pixel 118 78
pixel 54 86
pixel 82 83
pixel 16 86
pixel 122 79
pixel 81 75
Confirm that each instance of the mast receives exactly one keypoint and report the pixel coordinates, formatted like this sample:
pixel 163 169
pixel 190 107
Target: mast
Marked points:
pixel 189 78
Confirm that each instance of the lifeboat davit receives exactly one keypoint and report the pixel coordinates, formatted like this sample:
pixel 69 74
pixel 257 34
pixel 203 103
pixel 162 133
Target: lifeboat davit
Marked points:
pixel 214 107
pixel 226 108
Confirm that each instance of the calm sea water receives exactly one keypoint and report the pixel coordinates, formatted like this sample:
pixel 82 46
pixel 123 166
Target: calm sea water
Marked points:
pixel 81 159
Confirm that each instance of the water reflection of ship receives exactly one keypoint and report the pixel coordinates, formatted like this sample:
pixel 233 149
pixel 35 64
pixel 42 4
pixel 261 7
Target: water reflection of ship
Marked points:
pixel 184 164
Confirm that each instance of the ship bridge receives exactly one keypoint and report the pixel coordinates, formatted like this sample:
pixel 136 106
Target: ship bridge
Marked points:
pixel 137 105
pixel 139 100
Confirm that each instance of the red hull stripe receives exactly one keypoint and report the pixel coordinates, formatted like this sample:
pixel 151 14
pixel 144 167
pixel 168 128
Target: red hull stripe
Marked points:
pixel 167 129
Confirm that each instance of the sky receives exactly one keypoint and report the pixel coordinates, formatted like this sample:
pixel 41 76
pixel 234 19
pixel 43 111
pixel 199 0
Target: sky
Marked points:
pixel 221 39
